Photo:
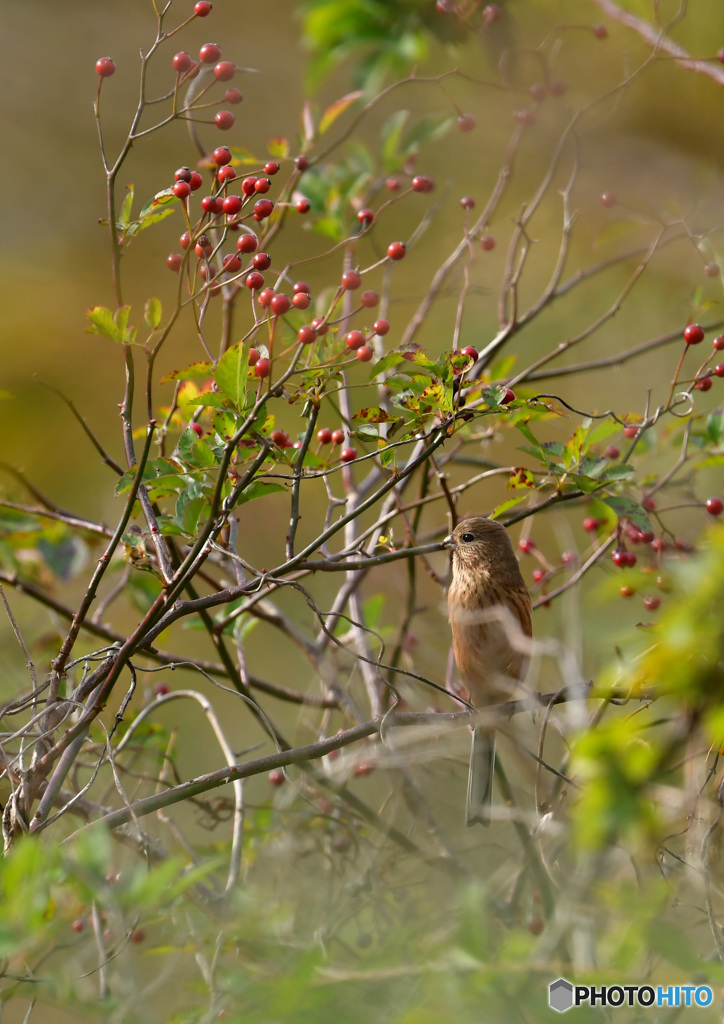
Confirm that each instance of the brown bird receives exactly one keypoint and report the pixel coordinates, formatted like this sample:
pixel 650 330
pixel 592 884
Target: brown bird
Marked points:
pixel 490 618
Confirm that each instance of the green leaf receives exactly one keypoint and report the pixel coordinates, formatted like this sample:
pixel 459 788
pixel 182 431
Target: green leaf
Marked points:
pixel 157 209
pixel 391 138
pixel 111 325
pixel 196 371
pixel 388 454
pixel 257 489
pixel 627 508
pixel 278 147
pixel 427 129
pixel 505 505
pixel 388 361
pixel 124 218
pixel 374 415
pixel 232 372
pixel 152 313
pixel 337 108
pixel 154 470
pixel 210 400
pixel 521 478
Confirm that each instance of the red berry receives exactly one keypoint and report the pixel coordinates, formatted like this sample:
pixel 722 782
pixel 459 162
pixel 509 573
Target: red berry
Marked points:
pixel 711 270
pixel 301 163
pixel 590 524
pixel 652 602
pixel 392 184
pixel 620 557
pixel 714 506
pixel 354 340
pixel 303 206
pixel 720 56
pixel 271 167
pixel 467 203
pixel 78 926
pixel 185 240
pixel 612 453
pixel 609 199
pixel 247 243
pixel 301 286
pixel 262 367
pixel 487 243
pixel 279 437
pixel 209 53
pixel 182 174
pixel 182 189
pixel 232 263
pixel 105 67
pixel 600 31
pixel 491 14
pixel 222 155
pixel 182 62
pixel 324 436
pixel 466 123
pixel 263 208
pixel 351 280
pixel 381 327
pixel 262 261
pixel 569 558
pixel 365 353
pixel 306 335
pixel 197 428
pixel 365 217
pixel 280 304
pixel 224 120
pixel 337 436
pixel 538 91
pixel 348 455
pixel 212 204
pixel 277 777
pixel 203 246
pixel 703 384
pixel 231 205
pixel 174 261
pixel 202 8
pixel 631 431
pixel 248 186
pixel 253 356
pixel 524 116
pixel 719 369
pixel 508 397
pixel 471 351
pixel 627 591
pixel 233 96
pixel 369 300
pixel 265 296
pixel 421 184
pixel 364 768
pixel 396 250
pixel 557 88
pixel 526 545
pixel 301 300
pixel 255 281
pixel 196 181
pixel 320 326
pixel 138 936
pixel 262 185
pixel 224 71
pixel 693 334
pixel 718 342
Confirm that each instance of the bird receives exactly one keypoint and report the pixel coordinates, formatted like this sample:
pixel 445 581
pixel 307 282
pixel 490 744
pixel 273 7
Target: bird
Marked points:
pixel 490 619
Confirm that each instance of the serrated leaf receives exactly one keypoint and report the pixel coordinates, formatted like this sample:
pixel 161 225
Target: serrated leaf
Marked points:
pixel 152 313
pixel 102 322
pixel 257 489
pixel 210 400
pixel 232 372
pixel 195 371
pixel 627 508
pixel 278 147
pixel 334 110
pixel 505 505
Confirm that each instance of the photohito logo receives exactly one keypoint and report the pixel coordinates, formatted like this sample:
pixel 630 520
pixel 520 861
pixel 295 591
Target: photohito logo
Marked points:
pixel 562 995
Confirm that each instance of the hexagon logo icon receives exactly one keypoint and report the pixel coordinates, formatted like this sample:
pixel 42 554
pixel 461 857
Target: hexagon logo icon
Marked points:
pixel 560 995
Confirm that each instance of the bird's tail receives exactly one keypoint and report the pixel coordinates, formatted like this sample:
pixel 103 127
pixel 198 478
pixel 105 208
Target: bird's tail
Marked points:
pixel 480 777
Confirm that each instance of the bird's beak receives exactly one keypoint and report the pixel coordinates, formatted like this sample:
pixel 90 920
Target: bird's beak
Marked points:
pixel 449 542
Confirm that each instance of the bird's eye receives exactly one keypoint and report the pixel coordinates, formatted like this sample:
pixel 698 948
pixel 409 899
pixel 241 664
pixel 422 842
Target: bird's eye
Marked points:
pixel 468 537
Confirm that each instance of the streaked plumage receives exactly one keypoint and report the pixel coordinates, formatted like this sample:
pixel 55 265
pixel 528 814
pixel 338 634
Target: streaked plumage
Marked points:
pixel 490 618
